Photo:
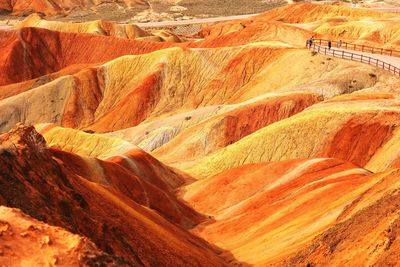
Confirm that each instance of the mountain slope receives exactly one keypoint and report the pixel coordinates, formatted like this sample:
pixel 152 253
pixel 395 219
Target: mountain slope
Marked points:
pixel 113 221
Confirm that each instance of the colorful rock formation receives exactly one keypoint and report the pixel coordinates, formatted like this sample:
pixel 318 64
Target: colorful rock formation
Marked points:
pixel 236 146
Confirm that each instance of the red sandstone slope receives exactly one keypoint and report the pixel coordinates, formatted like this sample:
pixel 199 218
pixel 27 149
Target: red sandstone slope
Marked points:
pixel 371 222
pixel 26 241
pixel 32 52
pixel 252 31
pixel 264 212
pixel 114 222
pixel 133 172
pixel 35 52
pixel 10 90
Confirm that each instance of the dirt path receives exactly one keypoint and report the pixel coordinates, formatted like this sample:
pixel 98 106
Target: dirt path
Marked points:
pixel 194 21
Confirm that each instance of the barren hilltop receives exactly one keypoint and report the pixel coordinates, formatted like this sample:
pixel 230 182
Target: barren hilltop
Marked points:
pixel 134 10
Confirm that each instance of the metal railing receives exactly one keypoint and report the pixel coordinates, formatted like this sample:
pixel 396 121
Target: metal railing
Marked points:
pixel 355 57
pixel 357 47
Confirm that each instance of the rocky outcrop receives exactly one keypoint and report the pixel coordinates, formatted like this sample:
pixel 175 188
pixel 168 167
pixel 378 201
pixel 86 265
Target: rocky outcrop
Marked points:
pixel 25 240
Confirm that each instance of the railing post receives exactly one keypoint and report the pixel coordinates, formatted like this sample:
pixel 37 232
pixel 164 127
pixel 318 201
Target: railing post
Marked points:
pixel 381 51
pixel 342 54
pixel 361 58
pixel 352 56
pixel 362 48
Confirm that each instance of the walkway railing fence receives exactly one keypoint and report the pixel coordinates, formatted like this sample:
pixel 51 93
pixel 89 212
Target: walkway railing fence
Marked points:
pixel 358 47
pixel 316 47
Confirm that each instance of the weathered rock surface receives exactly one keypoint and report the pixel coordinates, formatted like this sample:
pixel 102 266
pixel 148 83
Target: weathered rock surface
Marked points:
pixel 27 241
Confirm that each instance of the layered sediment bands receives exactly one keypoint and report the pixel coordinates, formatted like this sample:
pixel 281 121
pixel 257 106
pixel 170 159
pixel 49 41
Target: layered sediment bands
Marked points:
pixel 371 222
pixel 253 31
pixel 227 128
pixel 131 109
pixel 26 241
pixel 113 221
pixel 138 88
pixel 32 52
pixel 184 80
pixel 113 149
pixel 326 130
pixel 125 167
pixel 100 27
pixel 10 90
pixel 359 26
pixel 85 97
pixel 48 101
pixel 142 190
pixel 308 12
pixel 263 212
pixel 380 33
pixel 153 134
